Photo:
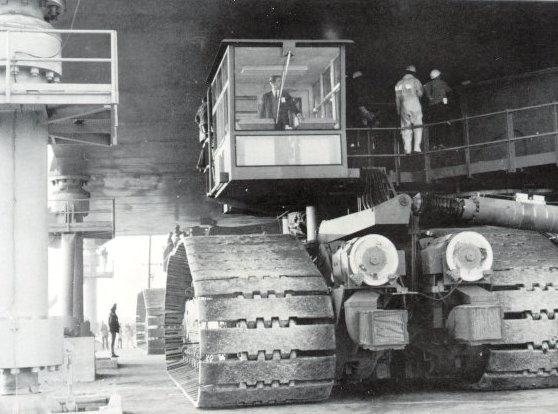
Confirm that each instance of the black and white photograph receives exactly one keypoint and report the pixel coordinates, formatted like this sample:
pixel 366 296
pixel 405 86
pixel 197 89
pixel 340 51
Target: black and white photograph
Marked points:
pixel 279 206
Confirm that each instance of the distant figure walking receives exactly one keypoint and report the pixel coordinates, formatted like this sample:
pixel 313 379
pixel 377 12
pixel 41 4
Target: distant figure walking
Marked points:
pixel 128 336
pixel 114 327
pixel 408 92
pixel 104 334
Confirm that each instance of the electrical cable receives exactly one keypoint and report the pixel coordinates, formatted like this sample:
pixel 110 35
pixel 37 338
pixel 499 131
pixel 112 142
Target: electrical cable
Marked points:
pixel 444 297
pixel 71 25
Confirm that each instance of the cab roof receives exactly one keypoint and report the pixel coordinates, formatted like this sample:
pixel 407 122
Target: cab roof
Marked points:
pixel 268 42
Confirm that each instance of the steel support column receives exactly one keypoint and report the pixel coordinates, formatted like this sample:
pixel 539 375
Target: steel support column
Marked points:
pixel 29 340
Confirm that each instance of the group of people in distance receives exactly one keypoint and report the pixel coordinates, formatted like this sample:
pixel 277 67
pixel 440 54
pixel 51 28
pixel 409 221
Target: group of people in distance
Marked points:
pixel 408 94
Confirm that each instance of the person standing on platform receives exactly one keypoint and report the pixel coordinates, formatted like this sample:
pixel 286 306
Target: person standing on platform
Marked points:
pixel 358 103
pixel 408 92
pixel 437 91
pixel 202 119
pixel 114 327
pixel 279 107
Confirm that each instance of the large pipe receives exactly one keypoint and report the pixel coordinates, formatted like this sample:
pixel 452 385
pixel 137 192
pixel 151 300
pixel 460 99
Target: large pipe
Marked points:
pixel 492 211
pixel 507 213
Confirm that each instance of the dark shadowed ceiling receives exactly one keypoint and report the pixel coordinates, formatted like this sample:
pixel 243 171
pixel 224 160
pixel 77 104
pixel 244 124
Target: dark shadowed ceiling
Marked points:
pixel 167 47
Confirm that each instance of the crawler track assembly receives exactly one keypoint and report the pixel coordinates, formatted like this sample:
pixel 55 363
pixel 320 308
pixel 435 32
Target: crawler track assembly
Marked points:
pixel 525 281
pixel 248 321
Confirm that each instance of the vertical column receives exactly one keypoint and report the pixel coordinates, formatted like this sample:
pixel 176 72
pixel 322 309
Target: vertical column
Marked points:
pixel 311 224
pixel 78 280
pixel 30 341
pixel 70 204
pixel 66 294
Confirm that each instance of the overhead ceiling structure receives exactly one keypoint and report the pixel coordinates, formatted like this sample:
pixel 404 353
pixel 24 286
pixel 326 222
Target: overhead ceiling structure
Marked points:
pixel 166 49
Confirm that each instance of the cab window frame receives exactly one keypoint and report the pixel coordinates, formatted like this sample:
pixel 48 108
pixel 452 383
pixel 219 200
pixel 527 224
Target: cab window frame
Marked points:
pixel 241 102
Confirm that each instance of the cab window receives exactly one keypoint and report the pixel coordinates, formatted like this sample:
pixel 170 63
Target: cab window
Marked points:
pixel 220 94
pixel 277 92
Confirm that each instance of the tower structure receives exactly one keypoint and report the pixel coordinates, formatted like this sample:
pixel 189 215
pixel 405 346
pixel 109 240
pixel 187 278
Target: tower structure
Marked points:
pixel 35 106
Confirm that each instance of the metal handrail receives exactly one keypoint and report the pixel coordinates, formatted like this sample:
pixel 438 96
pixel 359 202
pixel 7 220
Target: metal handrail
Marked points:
pixel 61 31
pixel 106 208
pixel 456 120
pixel 510 139
pixel 12 60
pixel 458 148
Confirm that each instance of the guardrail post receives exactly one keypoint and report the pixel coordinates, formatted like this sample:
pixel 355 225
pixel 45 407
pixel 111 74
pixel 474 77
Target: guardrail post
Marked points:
pixel 67 215
pixel 397 160
pixel 511 144
pixel 466 138
pixel 8 68
pixel 555 124
pixel 113 217
pixel 369 149
pixel 114 67
pixel 210 169
pixel 426 142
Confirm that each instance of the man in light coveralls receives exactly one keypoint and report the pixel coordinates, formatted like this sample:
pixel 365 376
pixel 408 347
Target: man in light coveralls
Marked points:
pixel 408 92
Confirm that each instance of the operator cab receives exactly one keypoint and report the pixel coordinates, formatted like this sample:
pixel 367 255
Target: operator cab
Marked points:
pixel 280 153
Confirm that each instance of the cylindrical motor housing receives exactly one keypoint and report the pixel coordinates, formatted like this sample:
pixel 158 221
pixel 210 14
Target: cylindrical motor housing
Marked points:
pixel 371 259
pixel 26 41
pixel 69 201
pixel 466 255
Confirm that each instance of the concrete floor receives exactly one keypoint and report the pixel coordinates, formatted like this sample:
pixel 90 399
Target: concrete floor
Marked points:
pixel 145 389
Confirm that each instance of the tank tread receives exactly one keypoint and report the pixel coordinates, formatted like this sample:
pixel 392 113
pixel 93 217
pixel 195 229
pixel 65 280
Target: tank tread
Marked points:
pixel 536 301
pixel 531 360
pixel 213 396
pixel 232 340
pixel 536 250
pixel 265 327
pixel 264 285
pixel 521 369
pixel 527 277
pixel 267 371
pixel 540 333
pixel 517 381
pixel 267 309
pixel 525 281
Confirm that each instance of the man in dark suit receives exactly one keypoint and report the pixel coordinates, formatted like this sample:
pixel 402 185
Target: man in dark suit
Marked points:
pixel 270 102
pixel 114 327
